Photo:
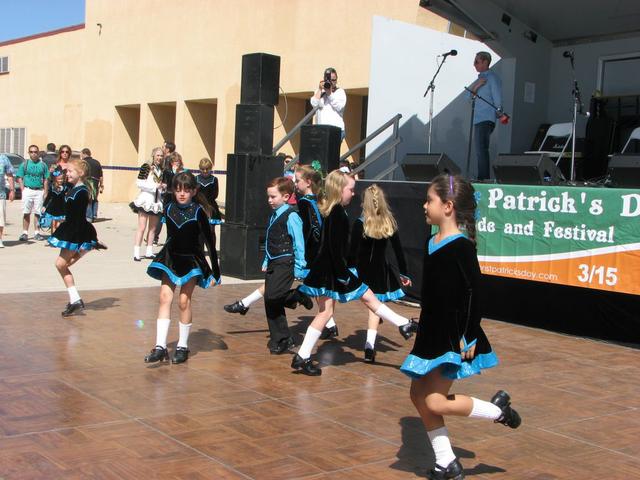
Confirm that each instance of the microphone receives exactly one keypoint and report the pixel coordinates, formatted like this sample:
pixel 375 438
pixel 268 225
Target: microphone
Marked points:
pixel 568 54
pixel 453 53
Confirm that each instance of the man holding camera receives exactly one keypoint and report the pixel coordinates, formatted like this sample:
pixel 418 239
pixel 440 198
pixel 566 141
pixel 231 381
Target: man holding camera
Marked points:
pixel 331 101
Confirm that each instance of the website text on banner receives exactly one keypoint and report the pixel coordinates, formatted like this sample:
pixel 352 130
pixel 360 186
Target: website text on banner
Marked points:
pixel 585 237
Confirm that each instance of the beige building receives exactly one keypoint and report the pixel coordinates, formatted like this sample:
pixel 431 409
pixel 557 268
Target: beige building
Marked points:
pixel 141 71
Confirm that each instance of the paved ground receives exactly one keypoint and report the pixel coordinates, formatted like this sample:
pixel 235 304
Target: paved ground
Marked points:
pixel 76 400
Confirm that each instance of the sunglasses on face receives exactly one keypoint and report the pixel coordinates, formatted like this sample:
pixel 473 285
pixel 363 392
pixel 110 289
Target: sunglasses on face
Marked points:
pixel 34 151
pixel 65 151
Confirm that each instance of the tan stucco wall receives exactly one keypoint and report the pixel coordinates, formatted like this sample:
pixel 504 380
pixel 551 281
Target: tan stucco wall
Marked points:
pixel 155 55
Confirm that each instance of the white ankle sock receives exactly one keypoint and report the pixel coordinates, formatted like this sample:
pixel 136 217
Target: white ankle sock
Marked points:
pixel 185 328
pixel 162 330
pixel 310 339
pixel 74 296
pixel 149 251
pixel 484 409
pixel 136 251
pixel 331 323
pixel 441 446
pixel 371 338
pixel 386 313
pixel 252 297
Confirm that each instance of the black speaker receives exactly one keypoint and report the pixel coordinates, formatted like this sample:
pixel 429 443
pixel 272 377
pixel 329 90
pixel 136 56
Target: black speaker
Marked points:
pixel 533 169
pixel 242 250
pixel 322 143
pixel 254 129
pixel 247 178
pixel 423 167
pixel 624 171
pixel 260 79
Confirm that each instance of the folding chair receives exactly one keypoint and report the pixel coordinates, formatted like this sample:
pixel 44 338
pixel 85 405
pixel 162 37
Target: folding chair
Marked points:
pixel 635 135
pixel 557 133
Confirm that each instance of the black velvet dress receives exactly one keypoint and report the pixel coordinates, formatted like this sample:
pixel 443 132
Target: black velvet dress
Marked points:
pixel 311 226
pixel 182 257
pixel 54 205
pixel 450 313
pixel 209 187
pixel 369 257
pixel 75 233
pixel 329 275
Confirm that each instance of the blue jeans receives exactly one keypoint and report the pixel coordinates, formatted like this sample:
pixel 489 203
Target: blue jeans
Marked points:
pixel 92 210
pixel 482 137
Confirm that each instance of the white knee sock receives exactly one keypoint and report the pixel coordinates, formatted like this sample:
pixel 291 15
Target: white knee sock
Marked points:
pixel 310 339
pixel 484 409
pixel 371 338
pixel 386 313
pixel 252 297
pixel 162 330
pixel 185 328
pixel 149 251
pixel 441 446
pixel 136 251
pixel 74 296
pixel 331 323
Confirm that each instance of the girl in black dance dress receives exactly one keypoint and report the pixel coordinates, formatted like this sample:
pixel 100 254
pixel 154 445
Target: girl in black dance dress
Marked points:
pixel 75 236
pixel 53 206
pixel 182 262
pixel 450 344
pixel 329 278
pixel 208 185
pixel 370 236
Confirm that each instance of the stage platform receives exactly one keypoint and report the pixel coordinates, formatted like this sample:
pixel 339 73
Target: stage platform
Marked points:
pixel 77 401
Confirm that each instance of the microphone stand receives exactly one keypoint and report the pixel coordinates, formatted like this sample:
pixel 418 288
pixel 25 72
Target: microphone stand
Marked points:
pixel 431 88
pixel 577 108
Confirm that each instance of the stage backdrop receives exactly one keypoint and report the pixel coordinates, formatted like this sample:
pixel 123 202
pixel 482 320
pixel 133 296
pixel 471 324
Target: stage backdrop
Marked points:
pixel 583 237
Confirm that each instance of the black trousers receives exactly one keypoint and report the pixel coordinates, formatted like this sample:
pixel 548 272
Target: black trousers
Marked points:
pixel 277 292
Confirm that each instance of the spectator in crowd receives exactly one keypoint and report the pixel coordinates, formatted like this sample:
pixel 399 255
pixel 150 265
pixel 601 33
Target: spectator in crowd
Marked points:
pixel 95 183
pixel 33 177
pixel 64 155
pixel 6 170
pixel 167 149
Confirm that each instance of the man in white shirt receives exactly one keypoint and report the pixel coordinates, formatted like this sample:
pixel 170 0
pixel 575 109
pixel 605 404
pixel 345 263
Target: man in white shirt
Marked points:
pixel 331 99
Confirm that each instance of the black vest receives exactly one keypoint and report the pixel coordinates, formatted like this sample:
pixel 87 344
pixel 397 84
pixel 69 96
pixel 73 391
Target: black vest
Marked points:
pixel 279 241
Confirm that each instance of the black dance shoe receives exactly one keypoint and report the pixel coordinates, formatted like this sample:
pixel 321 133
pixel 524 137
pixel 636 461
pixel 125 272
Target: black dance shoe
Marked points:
pixel 101 245
pixel 72 308
pixel 137 259
pixel 452 472
pixel 306 366
pixel 236 307
pixel 181 355
pixel 329 332
pixel 283 346
pixel 509 416
pixel 408 329
pixel 304 299
pixel 157 354
pixel 369 355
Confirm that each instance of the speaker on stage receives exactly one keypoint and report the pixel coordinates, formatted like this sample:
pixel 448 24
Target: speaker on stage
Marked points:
pixel 247 178
pixel 423 167
pixel 530 169
pixel 254 129
pixel 322 143
pixel 242 250
pixel 624 171
pixel 260 79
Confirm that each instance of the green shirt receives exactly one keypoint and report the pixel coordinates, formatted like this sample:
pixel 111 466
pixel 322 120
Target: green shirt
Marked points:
pixel 35 175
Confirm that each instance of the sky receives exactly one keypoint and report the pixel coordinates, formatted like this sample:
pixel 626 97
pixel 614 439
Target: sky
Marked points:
pixel 20 18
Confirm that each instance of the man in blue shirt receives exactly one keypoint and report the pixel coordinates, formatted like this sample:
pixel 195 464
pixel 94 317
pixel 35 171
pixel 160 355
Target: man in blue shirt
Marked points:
pixel 489 87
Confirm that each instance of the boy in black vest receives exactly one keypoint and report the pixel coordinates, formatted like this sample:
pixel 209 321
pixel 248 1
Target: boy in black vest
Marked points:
pixel 283 261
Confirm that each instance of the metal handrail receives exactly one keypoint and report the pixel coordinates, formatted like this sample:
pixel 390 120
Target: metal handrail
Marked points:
pixel 396 140
pixel 295 129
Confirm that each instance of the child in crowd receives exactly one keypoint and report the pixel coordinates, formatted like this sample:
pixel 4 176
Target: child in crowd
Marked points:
pixel 75 236
pixel 53 206
pixel 148 203
pixel 208 185
pixel 182 262
pixel 329 278
pixel 284 261
pixel 450 344
pixel 370 236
